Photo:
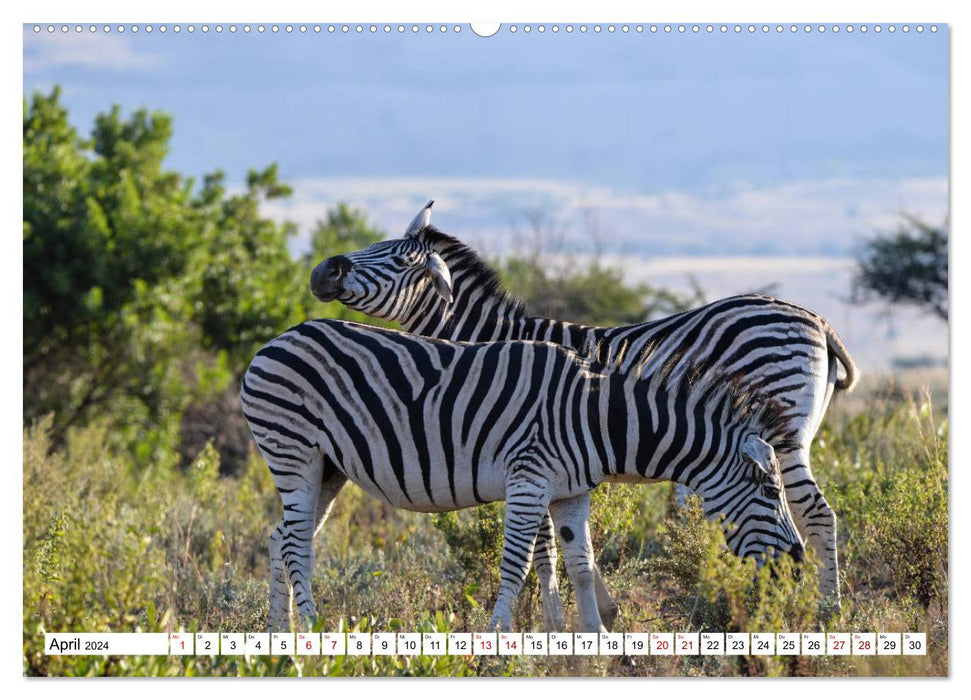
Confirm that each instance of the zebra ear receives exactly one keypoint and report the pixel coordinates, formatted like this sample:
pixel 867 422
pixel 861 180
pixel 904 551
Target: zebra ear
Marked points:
pixel 760 453
pixel 422 220
pixel 441 277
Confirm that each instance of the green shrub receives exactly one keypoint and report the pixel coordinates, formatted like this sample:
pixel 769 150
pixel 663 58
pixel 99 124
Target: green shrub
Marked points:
pixel 727 593
pixel 910 522
pixel 474 538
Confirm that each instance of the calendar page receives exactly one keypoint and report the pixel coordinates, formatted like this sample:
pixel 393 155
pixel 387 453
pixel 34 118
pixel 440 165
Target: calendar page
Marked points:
pixel 611 349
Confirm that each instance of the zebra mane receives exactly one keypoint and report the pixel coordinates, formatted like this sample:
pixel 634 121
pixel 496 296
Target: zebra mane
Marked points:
pixel 461 258
pixel 763 412
pixel 752 407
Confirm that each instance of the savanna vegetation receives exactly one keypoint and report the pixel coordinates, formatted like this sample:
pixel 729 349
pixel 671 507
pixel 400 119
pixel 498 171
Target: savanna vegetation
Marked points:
pixel 907 266
pixel 146 508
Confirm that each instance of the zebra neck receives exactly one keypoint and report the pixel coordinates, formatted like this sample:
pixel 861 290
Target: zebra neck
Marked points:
pixel 482 310
pixel 476 317
pixel 473 316
pixel 428 315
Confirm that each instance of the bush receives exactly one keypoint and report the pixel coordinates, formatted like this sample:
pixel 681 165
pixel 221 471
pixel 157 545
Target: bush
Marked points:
pixel 474 538
pixel 910 522
pixel 728 593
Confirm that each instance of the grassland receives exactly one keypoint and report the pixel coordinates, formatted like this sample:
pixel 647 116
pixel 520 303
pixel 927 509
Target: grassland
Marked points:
pixel 109 547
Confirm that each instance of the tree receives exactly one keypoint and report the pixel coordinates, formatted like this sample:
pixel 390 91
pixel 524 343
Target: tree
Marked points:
pixel 244 286
pixel 141 297
pixel 908 266
pixel 593 293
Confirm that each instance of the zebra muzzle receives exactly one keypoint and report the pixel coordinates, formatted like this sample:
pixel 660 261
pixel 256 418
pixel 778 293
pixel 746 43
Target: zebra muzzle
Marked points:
pixel 326 278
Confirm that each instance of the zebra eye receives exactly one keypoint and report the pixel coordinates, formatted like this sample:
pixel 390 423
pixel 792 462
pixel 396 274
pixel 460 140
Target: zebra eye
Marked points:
pixel 398 260
pixel 769 491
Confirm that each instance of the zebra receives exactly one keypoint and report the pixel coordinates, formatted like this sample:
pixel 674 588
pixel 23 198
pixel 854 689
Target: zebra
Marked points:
pixel 434 285
pixel 431 425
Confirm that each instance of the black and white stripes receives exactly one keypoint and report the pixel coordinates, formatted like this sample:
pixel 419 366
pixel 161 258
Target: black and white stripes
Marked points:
pixel 430 425
pixel 779 350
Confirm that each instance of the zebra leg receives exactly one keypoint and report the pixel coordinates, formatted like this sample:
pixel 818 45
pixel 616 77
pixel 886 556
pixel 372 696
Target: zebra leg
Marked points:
pixel 281 602
pixel 606 605
pixel 291 545
pixel 571 517
pixel 544 561
pixel 298 559
pixel 815 521
pixel 280 591
pixel 527 500
pixel 330 485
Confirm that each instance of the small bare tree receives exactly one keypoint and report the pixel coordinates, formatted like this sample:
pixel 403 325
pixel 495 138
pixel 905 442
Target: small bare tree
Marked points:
pixel 908 266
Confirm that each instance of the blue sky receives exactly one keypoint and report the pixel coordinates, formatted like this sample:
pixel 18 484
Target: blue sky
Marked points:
pixel 637 111
pixel 716 146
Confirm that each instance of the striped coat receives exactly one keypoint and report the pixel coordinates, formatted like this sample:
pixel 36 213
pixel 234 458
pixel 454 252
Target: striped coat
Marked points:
pixel 430 425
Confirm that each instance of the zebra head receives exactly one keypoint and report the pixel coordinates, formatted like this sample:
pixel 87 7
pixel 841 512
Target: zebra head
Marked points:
pixel 757 515
pixel 386 279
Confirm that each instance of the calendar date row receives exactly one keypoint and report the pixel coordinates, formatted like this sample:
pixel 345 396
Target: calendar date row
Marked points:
pixel 489 644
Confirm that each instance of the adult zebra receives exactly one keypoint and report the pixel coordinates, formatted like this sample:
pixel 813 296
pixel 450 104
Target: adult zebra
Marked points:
pixel 434 285
pixel 430 425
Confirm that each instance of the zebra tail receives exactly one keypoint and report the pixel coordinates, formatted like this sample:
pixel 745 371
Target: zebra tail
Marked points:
pixel 836 348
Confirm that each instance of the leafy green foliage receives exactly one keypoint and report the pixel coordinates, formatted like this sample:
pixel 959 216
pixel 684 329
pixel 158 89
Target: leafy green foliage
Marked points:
pixel 110 547
pixel 140 297
pixel 343 230
pixel 731 594
pixel 910 529
pixel 623 519
pixel 908 266
pixel 474 539
pixel 557 284
pixel 895 494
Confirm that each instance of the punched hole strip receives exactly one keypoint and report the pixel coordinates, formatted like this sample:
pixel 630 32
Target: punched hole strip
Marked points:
pixel 486 29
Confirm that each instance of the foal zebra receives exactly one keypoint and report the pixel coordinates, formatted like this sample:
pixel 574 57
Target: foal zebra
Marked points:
pixel 434 285
pixel 429 425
